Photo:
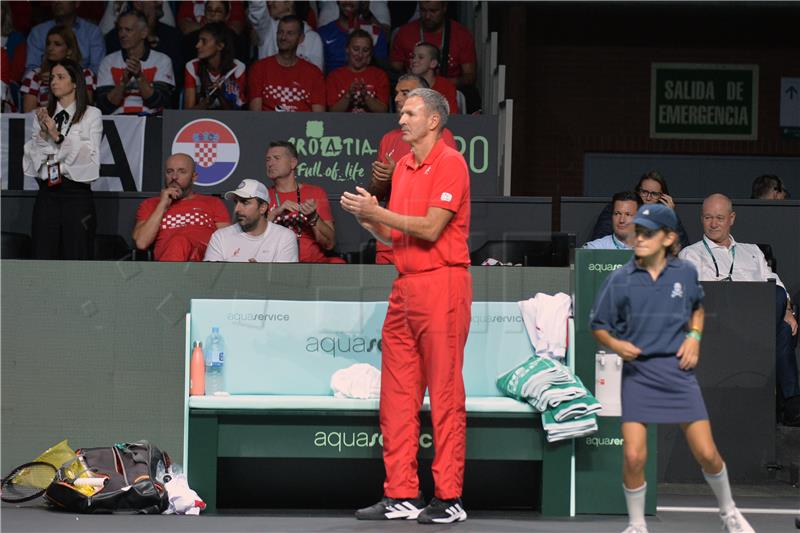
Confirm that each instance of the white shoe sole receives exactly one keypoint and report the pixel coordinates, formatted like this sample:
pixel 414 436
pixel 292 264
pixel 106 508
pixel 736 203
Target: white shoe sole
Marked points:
pixel 460 517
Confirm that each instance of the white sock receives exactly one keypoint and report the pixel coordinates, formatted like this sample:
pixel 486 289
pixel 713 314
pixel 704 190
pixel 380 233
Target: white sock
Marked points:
pixel 722 489
pixel 634 498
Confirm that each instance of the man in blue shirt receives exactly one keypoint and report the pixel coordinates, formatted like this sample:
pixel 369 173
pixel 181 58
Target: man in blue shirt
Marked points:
pixel 90 38
pixel 623 235
pixel 352 15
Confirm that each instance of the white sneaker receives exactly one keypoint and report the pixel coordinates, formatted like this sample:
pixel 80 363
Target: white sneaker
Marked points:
pixel 734 522
pixel 641 528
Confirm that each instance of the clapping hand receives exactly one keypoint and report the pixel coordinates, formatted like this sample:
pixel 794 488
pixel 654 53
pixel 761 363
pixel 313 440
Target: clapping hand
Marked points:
pixel 309 207
pixel 383 171
pixel 361 204
pixel 133 68
pixel 46 123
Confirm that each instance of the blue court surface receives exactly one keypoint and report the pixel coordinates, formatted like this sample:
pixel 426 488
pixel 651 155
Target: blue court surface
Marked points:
pixel 682 508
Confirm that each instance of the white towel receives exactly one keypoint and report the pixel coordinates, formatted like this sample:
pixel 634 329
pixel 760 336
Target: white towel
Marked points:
pixel 182 499
pixel 361 381
pixel 545 318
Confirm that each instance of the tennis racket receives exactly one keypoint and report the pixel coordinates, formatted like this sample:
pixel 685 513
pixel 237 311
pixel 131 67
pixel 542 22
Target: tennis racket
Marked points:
pixel 27 482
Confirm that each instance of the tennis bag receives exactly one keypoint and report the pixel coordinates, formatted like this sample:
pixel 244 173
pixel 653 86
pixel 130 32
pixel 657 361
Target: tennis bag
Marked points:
pixel 134 474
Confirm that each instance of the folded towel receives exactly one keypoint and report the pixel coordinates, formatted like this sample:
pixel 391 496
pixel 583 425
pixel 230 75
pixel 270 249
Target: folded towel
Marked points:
pixel 578 408
pixel 361 381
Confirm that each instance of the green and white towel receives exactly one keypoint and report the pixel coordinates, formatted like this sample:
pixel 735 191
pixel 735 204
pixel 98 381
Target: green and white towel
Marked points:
pixel 570 429
pixel 573 409
pixel 568 408
pixel 532 377
pixel 559 393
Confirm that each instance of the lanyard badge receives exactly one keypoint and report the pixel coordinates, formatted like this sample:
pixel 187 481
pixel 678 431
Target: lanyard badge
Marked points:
pixel 53 173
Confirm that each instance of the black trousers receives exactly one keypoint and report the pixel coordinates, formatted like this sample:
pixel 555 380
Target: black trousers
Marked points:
pixel 64 221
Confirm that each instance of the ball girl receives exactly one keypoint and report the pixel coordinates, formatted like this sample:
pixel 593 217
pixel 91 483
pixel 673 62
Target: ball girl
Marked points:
pixel 650 313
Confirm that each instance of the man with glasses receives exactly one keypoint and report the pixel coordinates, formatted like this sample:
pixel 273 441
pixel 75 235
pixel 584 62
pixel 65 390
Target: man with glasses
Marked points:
pixel 718 257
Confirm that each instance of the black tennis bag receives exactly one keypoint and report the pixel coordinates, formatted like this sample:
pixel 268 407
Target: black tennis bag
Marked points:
pixel 131 470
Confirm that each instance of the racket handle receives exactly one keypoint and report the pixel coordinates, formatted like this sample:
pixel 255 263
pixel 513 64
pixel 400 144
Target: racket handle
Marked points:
pixel 90 481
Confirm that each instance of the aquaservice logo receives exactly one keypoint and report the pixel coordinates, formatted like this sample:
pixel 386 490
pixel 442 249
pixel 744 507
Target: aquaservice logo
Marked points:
pixel 341 440
pixel 343 345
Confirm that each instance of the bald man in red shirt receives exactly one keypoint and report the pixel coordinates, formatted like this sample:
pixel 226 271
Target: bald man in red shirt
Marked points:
pixel 427 323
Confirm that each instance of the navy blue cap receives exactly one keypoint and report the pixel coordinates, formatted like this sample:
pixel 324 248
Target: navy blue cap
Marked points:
pixel 656 216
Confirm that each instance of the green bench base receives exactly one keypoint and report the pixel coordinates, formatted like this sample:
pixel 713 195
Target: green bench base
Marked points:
pixel 329 428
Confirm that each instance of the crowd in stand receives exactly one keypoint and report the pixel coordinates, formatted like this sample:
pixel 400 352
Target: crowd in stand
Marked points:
pixel 142 57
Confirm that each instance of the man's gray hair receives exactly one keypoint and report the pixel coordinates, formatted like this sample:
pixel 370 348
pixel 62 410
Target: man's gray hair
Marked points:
pixel 434 102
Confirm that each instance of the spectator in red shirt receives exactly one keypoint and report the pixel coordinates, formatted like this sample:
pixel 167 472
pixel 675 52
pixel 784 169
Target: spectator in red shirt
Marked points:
pixel 285 81
pixel 61 44
pixel 178 221
pixel 425 63
pixel 215 79
pixel 434 27
pixel 358 87
pixel 301 207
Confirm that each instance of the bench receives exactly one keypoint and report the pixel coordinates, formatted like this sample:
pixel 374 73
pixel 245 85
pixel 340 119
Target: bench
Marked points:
pixel 301 426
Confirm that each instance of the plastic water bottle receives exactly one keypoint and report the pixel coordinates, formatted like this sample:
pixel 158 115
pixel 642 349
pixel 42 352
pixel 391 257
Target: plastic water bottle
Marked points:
pixel 215 359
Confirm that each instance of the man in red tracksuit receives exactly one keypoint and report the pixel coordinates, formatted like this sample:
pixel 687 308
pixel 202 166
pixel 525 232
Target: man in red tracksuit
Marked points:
pixel 426 326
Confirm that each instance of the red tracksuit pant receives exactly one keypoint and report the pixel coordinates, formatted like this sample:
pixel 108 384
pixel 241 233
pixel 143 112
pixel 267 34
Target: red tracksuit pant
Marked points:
pixel 424 334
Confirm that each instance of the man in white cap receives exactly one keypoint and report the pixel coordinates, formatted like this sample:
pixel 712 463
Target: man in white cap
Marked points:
pixel 253 238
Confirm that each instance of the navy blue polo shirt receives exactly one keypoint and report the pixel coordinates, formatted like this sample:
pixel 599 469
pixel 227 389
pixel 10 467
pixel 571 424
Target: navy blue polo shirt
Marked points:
pixel 653 315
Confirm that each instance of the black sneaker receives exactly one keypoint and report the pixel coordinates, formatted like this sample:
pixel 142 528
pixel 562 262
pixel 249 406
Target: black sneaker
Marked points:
pixel 442 512
pixel 392 509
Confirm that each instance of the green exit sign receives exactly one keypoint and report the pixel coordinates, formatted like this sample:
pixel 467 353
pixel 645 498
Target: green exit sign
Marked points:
pixel 695 101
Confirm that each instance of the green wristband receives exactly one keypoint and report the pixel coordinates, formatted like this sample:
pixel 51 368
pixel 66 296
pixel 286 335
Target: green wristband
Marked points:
pixel 695 334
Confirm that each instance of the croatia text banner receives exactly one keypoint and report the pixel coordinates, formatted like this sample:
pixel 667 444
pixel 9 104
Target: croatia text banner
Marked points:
pixel 336 150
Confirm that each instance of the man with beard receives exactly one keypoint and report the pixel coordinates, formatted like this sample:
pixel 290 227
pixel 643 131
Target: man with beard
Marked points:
pixel 254 239
pixel 178 221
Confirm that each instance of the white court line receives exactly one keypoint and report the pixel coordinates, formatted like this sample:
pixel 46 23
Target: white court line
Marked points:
pixel 744 510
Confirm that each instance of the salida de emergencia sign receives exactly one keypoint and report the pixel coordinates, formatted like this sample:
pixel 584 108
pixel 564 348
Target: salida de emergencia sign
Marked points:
pixel 694 101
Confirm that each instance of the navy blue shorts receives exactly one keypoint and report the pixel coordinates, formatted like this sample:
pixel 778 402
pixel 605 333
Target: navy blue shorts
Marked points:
pixel 655 390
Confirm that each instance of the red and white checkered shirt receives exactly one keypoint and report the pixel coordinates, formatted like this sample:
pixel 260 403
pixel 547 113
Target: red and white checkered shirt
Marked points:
pixel 375 80
pixel 195 217
pixel 280 88
pixel 32 84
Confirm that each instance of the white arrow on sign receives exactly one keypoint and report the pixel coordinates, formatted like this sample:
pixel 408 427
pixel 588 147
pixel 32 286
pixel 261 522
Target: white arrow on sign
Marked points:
pixel 790 103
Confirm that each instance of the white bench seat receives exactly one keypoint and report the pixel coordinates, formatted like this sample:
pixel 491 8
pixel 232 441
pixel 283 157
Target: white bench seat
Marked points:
pixel 475 404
